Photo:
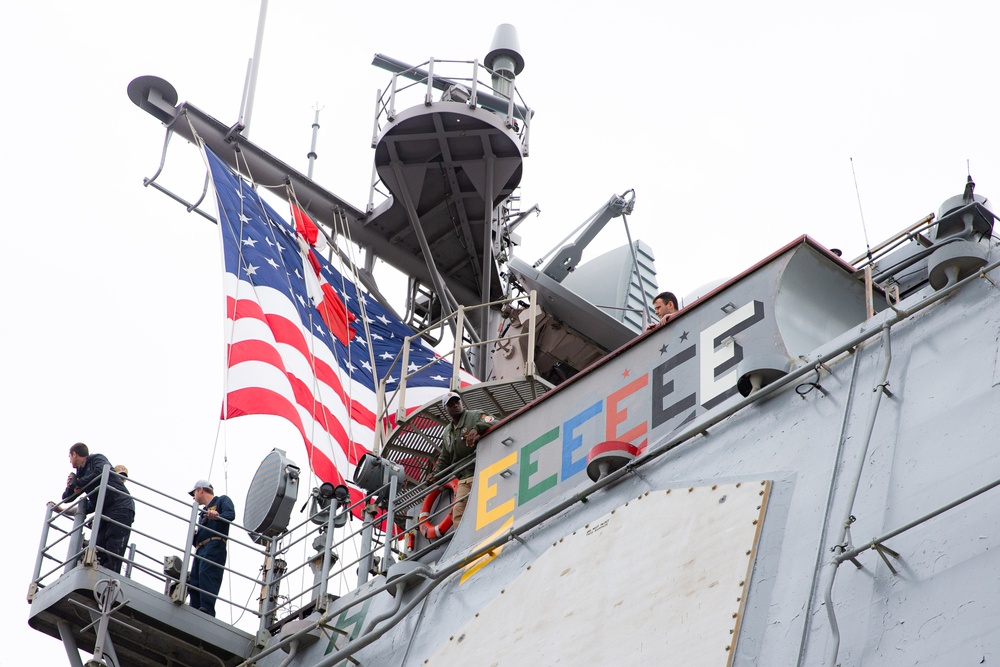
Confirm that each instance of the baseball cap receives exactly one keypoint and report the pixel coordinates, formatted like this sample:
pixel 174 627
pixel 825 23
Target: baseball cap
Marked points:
pixel 121 470
pixel 200 484
pixel 447 398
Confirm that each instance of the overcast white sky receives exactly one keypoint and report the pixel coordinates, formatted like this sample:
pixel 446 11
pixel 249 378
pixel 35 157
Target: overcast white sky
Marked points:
pixel 734 121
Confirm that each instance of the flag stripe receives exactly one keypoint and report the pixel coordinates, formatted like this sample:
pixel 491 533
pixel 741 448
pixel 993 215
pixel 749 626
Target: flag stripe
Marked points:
pixel 258 401
pixel 286 332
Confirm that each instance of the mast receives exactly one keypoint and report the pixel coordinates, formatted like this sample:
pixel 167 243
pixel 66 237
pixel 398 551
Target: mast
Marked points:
pixel 246 112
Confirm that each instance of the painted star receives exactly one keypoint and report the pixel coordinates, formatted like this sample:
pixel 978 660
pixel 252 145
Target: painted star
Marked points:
pixel 625 374
pixel 272 262
pixel 438 378
pixel 351 368
pixel 244 219
pixel 375 336
pixel 390 380
pixel 250 242
pixel 251 269
pixel 320 329
pixel 383 319
pixel 365 365
pixel 663 349
pixel 684 336
pixel 385 355
pixel 412 368
pixel 301 300
pixel 239 194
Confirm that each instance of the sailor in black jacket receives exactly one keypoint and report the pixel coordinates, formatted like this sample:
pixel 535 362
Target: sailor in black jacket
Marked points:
pixel 118 512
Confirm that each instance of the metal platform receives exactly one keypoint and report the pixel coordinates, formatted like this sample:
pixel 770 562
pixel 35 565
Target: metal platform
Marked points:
pixel 447 165
pixel 146 628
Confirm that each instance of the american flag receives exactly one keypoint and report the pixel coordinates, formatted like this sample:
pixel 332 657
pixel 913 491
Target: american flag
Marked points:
pixel 303 342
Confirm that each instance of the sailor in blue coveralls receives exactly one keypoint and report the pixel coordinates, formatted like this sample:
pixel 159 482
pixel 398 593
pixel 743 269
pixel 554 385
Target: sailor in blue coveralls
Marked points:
pixel 210 545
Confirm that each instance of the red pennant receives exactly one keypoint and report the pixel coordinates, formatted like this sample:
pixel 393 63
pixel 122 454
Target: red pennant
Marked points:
pixel 335 314
pixel 304 226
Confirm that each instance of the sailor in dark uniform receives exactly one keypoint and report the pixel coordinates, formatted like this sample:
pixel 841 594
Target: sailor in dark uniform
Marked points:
pixel 209 545
pixel 118 512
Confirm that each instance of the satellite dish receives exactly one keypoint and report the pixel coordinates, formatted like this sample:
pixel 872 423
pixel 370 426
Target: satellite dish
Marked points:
pixel 271 496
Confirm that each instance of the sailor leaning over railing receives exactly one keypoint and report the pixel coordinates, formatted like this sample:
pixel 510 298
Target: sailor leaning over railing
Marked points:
pixel 114 524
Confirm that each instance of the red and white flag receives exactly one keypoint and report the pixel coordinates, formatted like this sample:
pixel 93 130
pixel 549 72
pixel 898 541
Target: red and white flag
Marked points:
pixel 305 343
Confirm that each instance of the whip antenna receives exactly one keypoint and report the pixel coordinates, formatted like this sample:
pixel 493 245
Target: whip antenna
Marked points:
pixel 312 148
pixel 868 247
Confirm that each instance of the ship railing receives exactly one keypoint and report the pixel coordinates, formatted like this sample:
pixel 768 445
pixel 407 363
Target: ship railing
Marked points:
pixel 914 232
pixel 413 498
pixel 391 540
pixel 341 557
pixel 338 552
pixel 866 266
pixel 341 540
pixel 881 279
pixel 162 522
pixel 464 81
pixel 76 515
pixel 458 357
pixel 459 81
pixel 75 509
pixel 402 503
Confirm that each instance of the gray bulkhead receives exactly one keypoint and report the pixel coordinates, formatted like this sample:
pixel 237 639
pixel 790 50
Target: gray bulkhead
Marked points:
pixel 930 445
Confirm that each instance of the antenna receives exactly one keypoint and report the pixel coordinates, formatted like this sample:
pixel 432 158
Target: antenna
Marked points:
pixel 250 87
pixel 970 186
pixel 312 148
pixel 868 247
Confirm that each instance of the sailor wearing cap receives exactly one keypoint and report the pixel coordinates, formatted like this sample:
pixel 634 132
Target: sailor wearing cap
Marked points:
pixel 209 542
pixel 458 442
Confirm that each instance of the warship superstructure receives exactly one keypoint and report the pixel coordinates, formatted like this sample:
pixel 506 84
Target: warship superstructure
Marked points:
pixel 797 468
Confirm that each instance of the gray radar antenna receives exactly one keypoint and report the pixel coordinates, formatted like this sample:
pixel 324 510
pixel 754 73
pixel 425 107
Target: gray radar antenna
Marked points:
pixel 271 496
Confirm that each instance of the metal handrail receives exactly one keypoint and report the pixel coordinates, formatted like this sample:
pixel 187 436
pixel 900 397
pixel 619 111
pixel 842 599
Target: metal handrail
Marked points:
pixel 891 243
pixel 422 83
pixel 398 396
pixel 144 496
pixel 286 596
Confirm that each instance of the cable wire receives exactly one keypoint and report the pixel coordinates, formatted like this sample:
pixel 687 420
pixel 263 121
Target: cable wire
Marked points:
pixel 857 191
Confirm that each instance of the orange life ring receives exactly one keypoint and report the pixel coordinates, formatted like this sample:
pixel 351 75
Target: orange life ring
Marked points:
pixel 428 529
